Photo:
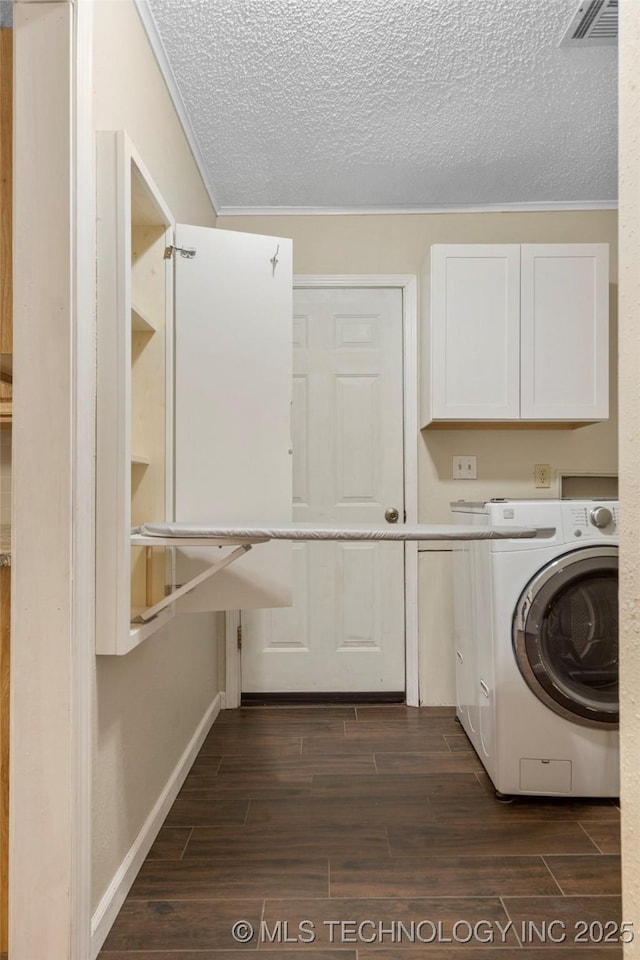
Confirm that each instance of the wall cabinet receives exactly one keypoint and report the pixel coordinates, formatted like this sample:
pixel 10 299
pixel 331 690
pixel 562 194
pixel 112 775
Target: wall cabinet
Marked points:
pixel 135 391
pixel 517 334
pixel 193 407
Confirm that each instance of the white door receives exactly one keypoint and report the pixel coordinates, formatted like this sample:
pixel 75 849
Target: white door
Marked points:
pixel 345 631
pixel 232 408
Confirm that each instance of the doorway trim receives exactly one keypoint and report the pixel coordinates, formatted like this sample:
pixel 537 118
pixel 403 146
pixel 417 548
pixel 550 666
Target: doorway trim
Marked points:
pixel 408 284
pixel 52 629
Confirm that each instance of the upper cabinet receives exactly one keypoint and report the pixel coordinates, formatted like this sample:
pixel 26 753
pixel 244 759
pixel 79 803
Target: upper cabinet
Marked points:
pixel 517 334
pixel 193 407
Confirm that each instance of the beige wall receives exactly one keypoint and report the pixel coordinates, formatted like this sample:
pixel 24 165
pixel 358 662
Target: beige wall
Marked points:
pixel 400 244
pixel 130 94
pixel 149 703
pixel 630 463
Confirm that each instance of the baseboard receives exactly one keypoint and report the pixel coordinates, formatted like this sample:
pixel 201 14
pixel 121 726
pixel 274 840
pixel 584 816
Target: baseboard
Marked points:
pixel 114 897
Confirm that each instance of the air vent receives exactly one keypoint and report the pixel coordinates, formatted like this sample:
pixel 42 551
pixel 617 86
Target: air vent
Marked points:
pixel 595 23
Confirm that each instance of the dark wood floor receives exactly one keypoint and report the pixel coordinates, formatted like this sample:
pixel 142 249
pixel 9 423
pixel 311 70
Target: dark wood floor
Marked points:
pixel 359 833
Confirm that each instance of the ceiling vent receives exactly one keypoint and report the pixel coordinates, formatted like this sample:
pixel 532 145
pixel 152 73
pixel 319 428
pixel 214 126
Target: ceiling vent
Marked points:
pixel 595 23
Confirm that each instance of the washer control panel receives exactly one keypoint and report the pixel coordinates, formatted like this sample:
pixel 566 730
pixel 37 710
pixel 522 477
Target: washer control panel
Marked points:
pixel 587 519
pixel 583 522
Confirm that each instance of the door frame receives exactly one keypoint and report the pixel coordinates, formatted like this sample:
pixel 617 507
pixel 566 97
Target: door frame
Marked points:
pixel 408 284
pixel 52 632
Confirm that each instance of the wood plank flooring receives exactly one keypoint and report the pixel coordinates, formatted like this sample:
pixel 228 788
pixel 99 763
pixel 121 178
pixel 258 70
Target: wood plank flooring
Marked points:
pixel 364 833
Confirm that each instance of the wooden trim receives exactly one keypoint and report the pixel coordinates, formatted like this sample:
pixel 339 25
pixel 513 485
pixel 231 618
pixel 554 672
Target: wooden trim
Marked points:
pixel 6 189
pixel 83 479
pixel 411 433
pixel 232 661
pixel 345 280
pixel 53 523
pixel 550 207
pixel 506 425
pixel 409 286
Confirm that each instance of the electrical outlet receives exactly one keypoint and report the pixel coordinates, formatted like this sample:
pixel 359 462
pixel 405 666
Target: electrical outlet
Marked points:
pixel 465 468
pixel 542 475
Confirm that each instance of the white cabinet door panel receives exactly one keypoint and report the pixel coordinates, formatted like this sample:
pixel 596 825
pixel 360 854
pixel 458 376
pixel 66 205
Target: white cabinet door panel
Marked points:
pixel 475 342
pixel 233 401
pixel 564 333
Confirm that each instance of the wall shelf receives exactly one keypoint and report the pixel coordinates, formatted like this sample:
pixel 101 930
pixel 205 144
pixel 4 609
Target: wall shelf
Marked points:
pixel 141 323
pixel 135 392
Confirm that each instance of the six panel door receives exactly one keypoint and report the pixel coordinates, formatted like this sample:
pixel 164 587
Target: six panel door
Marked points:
pixel 345 631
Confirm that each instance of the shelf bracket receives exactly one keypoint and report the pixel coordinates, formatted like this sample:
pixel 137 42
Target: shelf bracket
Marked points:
pixel 190 585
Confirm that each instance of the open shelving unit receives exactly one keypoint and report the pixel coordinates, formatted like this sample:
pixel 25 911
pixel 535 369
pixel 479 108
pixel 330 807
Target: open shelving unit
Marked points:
pixel 135 392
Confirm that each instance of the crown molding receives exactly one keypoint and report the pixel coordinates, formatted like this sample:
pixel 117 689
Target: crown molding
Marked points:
pixel 553 207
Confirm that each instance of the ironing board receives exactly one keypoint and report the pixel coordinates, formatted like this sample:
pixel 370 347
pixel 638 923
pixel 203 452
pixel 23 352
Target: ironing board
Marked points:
pixel 246 536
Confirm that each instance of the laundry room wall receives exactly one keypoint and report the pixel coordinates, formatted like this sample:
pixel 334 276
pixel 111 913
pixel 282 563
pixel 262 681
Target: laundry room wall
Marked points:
pixel 149 703
pixel 399 244
pixel 629 165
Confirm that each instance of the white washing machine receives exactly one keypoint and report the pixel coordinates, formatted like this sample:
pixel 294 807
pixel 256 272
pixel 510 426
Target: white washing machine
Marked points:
pixel 536 645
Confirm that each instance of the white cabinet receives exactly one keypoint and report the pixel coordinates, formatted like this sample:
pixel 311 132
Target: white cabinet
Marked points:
pixel 564 332
pixel 134 470
pixel 193 402
pixel 517 334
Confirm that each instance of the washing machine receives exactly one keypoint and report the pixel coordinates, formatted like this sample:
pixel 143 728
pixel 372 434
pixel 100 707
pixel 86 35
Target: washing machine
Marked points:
pixel 536 646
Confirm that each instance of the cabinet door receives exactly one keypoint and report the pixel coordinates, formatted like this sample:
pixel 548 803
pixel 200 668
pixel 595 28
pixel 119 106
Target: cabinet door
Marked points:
pixel 564 331
pixel 233 385
pixel 475 343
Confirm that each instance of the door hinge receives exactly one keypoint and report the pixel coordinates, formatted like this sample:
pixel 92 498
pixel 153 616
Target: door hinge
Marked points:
pixel 187 252
pixel 239 636
pixel 404 514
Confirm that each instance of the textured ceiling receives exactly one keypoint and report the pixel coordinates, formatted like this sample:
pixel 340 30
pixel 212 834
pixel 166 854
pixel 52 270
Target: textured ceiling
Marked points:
pixel 393 104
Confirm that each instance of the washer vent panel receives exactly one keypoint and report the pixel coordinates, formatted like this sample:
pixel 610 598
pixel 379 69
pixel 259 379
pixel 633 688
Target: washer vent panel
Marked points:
pixel 595 23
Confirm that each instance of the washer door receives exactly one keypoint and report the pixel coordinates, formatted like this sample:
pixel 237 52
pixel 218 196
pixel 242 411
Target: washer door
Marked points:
pixel 565 636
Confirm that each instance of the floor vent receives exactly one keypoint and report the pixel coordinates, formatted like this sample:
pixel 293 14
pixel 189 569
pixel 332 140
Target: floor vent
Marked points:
pixel 319 699
pixel 595 23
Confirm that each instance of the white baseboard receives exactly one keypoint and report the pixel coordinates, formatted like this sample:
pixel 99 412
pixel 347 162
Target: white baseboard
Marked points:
pixel 116 892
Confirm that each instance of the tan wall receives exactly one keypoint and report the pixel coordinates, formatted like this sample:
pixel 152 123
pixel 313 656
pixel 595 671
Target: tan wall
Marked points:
pixel 130 94
pixel 149 703
pixel 400 244
pixel 630 463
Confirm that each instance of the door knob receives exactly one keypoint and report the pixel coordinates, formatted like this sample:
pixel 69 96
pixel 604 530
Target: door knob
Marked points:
pixel 391 515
